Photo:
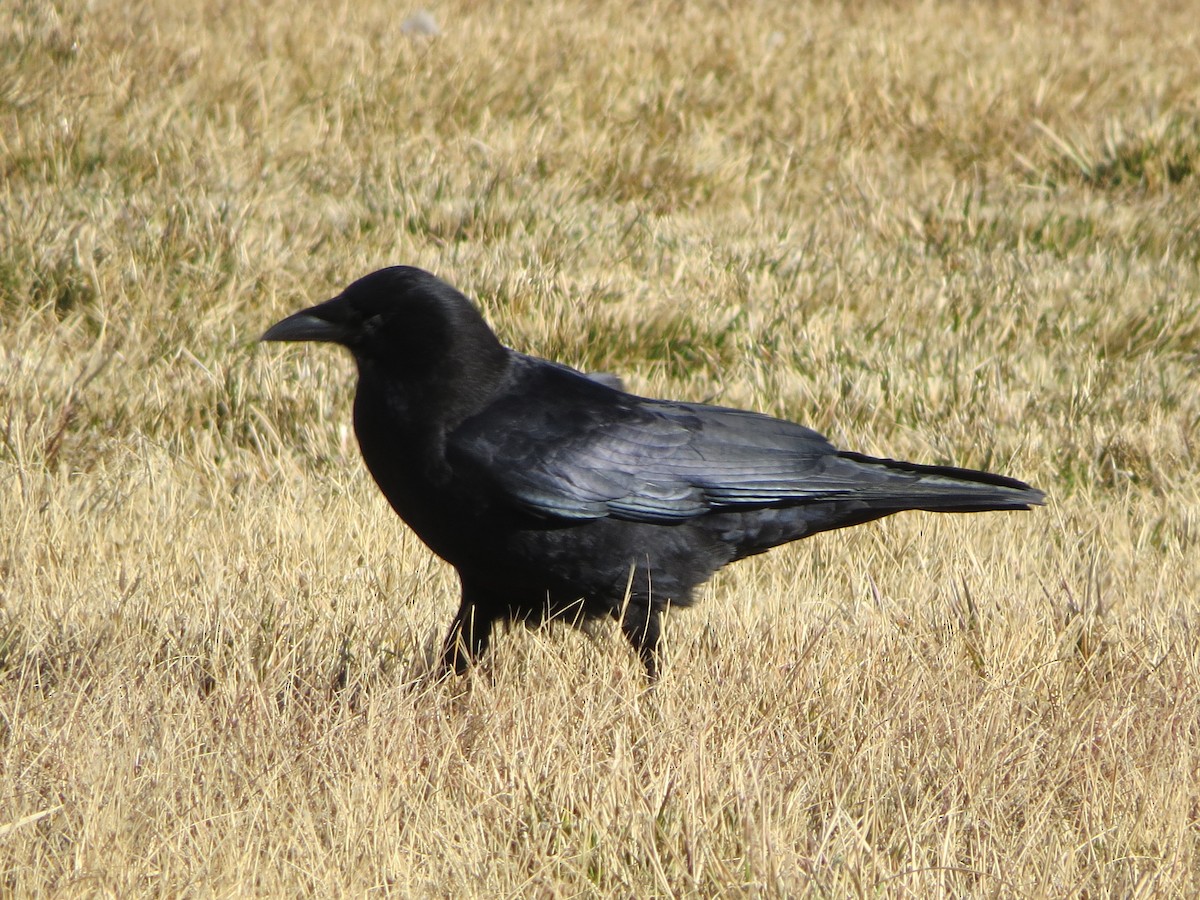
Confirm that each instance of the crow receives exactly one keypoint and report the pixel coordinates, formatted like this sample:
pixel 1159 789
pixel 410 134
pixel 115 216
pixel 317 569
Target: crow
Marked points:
pixel 559 495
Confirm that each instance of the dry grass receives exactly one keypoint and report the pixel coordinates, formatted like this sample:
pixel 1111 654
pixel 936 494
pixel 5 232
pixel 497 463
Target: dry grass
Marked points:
pixel 942 231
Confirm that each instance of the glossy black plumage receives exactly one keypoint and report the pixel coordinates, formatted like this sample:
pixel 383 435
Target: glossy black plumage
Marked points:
pixel 555 493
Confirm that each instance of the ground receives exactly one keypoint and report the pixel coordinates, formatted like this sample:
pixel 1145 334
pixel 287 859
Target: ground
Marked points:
pixel 941 231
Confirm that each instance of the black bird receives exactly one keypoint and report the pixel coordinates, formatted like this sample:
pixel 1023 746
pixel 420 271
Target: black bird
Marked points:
pixel 556 494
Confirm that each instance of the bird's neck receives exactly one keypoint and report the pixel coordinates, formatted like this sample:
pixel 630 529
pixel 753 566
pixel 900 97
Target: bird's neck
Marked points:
pixel 431 402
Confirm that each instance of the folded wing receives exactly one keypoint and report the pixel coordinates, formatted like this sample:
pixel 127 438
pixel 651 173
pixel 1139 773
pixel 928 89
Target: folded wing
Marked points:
pixel 559 445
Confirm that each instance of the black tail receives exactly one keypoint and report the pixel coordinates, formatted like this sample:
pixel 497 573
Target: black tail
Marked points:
pixel 940 488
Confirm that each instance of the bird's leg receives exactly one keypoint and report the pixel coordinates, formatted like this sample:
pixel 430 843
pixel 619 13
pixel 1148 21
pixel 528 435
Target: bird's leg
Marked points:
pixel 640 623
pixel 469 633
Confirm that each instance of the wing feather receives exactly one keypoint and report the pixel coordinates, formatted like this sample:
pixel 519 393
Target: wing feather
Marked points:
pixel 561 445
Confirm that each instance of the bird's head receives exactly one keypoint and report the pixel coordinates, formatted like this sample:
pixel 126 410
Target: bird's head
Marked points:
pixel 401 322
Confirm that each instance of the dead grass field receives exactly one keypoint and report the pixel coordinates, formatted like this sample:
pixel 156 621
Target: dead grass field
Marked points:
pixel 942 231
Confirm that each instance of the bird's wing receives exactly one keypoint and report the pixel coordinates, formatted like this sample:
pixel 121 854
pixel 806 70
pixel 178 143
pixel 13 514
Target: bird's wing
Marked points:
pixel 562 446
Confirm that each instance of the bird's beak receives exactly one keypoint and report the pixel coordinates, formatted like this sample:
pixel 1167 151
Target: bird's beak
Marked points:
pixel 304 326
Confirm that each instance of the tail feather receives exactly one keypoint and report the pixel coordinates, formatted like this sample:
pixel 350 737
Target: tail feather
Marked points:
pixel 942 488
pixel 875 488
